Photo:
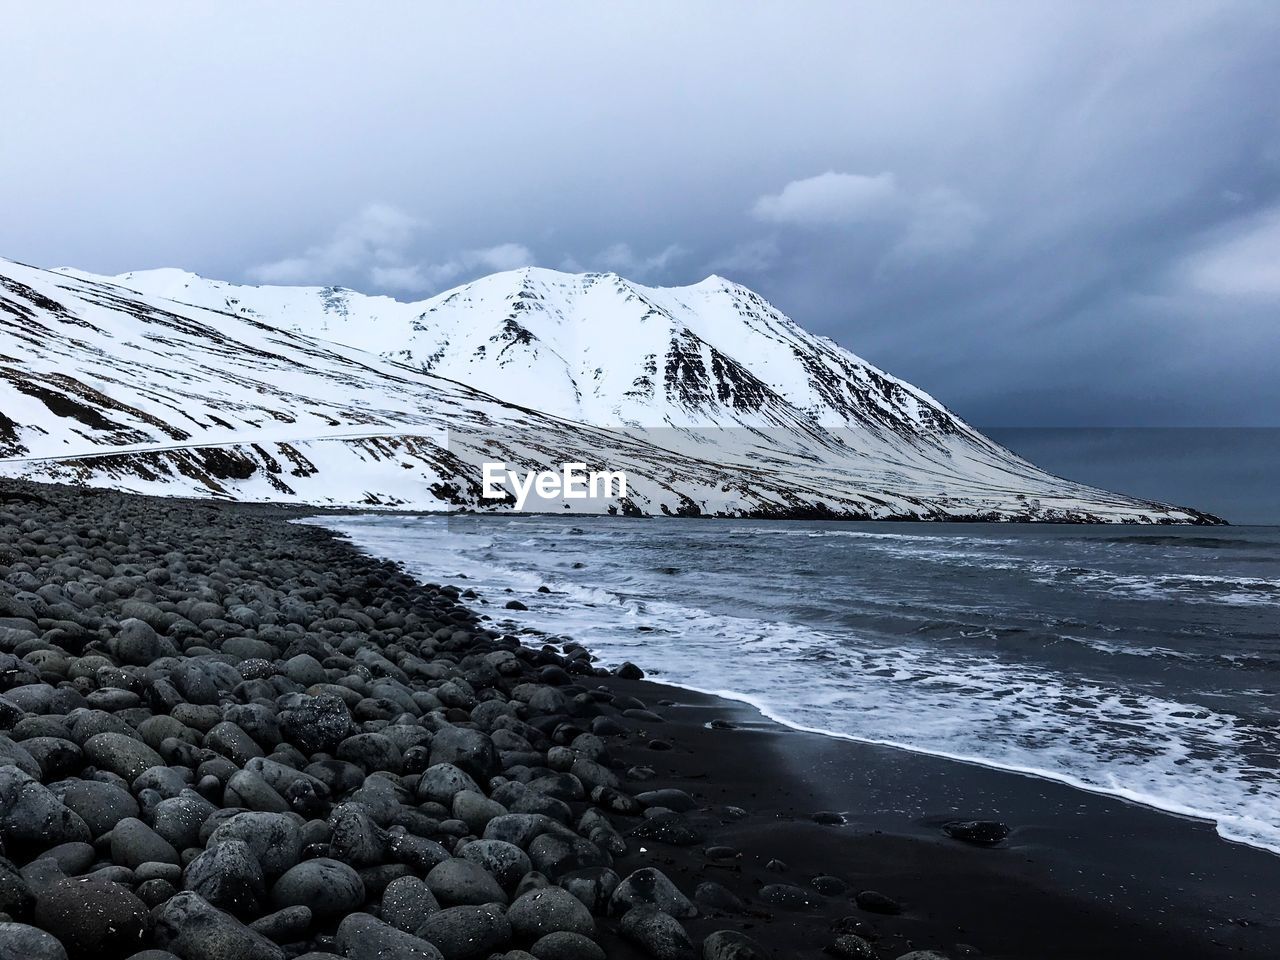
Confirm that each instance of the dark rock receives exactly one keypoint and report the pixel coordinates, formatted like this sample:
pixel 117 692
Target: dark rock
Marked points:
pixel 629 671
pixel 672 799
pixel 650 887
pixel 284 926
pixel 718 897
pixel 363 937
pixel 16 898
pixel 100 805
pixel 94 919
pixel 134 843
pixel 329 887
pixel 21 942
pixel 228 876
pixel 195 930
pixel 458 882
pixel 660 935
pixel 566 946
pixel 406 902
pixel 731 945
pixel 274 838
pixel 122 755
pixel 466 932
pixel 469 750
pixel 549 910
pixel 32 818
pixel 505 861
pixel 593 886
pixel 672 828
pixel 315 724
pixel 137 643
pixel 829 886
pixel 874 902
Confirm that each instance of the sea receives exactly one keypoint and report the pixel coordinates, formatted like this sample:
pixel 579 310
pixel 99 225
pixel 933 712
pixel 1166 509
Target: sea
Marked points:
pixel 1141 662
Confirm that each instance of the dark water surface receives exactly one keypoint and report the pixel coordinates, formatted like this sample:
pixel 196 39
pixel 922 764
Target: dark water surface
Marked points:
pixel 1142 662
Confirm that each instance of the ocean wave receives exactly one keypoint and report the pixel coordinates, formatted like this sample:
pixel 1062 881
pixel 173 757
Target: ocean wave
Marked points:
pixel 958 701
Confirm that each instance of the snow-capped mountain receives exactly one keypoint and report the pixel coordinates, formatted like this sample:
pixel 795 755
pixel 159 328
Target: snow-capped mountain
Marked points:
pixel 708 398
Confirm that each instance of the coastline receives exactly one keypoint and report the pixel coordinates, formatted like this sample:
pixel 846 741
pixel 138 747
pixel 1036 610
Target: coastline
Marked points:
pixel 1080 875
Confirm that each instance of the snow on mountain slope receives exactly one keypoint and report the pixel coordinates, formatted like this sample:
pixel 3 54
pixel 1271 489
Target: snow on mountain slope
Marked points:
pixel 709 399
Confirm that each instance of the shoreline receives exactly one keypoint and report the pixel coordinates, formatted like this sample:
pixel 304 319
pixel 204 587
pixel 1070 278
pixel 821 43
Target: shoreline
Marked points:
pixel 346 733
pixel 746 702
pixel 1062 885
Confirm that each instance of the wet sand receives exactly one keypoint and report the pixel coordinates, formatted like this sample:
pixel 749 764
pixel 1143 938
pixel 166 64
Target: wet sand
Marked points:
pixel 1080 875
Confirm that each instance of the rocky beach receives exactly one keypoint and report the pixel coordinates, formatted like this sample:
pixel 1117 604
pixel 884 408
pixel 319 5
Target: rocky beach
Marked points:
pixel 228 735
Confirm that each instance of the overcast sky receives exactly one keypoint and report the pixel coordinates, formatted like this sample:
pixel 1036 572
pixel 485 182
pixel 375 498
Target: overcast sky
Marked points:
pixel 1044 214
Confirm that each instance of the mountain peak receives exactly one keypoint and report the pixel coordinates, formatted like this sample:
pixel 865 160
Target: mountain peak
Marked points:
pixel 709 404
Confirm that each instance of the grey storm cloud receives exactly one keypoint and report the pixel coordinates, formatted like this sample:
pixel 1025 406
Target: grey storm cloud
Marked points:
pixel 1042 213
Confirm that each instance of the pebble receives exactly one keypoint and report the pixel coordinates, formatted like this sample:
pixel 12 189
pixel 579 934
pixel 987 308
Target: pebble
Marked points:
pixel 93 919
pixel 732 945
pixel 363 937
pixel 329 887
pixel 21 942
pixel 257 743
pixel 549 910
pixel 466 932
pixel 660 935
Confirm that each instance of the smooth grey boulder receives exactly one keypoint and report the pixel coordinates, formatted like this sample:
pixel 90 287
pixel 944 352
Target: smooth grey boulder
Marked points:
pixel 196 930
pixel 732 945
pixel 549 910
pixel 21 942
pixel 32 818
pixel 100 805
pixel 467 932
pixel 458 882
pixel 134 843
pixel 122 755
pixel 659 934
pixel 443 781
pixel 94 918
pixel 274 838
pixel 566 946
pixel 364 937
pixel 407 902
pixel 138 644
pixel 330 888
pixel 228 876
pixel 650 887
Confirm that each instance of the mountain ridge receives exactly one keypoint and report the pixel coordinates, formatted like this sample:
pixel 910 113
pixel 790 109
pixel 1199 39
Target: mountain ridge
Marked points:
pixel 715 400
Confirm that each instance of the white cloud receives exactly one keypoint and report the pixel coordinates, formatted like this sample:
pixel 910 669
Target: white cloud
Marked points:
pixel 406 278
pixel 1246 265
pixel 620 258
pixel 378 234
pixel 752 256
pixel 941 221
pixel 830 198
pixel 503 256
pixel 376 243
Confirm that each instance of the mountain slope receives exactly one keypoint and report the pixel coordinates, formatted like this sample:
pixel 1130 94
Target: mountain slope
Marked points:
pixel 707 397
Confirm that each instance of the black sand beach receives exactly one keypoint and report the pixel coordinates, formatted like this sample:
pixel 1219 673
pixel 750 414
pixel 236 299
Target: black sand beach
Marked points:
pixel 1080 875
pixel 226 735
